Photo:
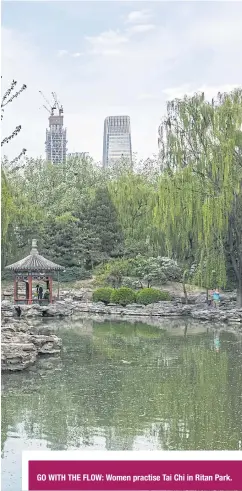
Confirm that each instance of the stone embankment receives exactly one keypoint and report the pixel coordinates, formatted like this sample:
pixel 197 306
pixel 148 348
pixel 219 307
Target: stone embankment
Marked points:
pixel 74 304
pixel 21 343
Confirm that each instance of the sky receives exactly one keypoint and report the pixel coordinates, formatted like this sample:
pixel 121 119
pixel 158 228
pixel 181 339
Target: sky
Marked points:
pixel 110 58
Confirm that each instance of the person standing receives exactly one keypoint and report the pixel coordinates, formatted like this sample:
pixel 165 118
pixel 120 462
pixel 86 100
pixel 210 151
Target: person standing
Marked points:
pixel 216 298
pixel 40 293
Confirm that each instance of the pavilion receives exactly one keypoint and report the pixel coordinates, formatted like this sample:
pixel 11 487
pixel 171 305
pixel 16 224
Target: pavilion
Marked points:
pixel 34 268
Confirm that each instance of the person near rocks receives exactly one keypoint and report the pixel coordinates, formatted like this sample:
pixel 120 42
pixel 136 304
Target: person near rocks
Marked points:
pixel 216 298
pixel 40 293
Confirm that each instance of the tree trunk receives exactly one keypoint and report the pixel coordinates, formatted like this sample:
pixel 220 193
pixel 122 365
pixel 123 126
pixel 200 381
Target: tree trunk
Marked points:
pixel 239 293
pixel 207 295
pixel 184 287
pixel 239 277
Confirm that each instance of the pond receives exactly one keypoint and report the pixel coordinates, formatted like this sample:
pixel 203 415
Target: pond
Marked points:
pixel 123 386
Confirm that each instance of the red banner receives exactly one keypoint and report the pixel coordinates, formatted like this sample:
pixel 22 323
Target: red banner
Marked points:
pixel 135 475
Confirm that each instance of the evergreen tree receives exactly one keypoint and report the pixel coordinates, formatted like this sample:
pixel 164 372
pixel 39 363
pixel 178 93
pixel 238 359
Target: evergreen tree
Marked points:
pixel 101 221
pixel 61 242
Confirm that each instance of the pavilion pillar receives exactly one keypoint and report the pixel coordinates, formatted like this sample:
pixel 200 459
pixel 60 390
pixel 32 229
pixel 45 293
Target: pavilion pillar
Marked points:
pixel 50 288
pixel 30 289
pixel 15 290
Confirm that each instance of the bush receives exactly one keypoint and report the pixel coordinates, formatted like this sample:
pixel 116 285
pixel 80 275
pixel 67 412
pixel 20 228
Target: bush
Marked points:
pixel 170 268
pixel 154 269
pixel 165 297
pixel 123 296
pixel 151 295
pixel 102 295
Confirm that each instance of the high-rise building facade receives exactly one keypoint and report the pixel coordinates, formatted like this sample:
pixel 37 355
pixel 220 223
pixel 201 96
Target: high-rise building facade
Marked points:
pixel 78 155
pixel 116 140
pixel 55 144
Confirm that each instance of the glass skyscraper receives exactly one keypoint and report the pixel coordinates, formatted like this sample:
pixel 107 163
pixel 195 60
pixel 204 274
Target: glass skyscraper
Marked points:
pixel 116 140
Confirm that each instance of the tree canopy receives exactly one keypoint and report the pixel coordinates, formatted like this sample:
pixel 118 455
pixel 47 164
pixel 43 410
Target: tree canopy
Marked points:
pixel 186 206
pixel 199 203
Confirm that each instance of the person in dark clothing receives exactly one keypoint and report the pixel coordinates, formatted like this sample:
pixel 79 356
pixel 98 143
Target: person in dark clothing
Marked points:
pixel 18 311
pixel 40 293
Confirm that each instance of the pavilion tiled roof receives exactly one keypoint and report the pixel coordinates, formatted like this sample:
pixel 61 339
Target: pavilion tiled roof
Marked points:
pixel 34 262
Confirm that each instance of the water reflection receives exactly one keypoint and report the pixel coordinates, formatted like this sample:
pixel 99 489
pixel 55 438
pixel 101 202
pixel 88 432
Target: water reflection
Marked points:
pixel 120 386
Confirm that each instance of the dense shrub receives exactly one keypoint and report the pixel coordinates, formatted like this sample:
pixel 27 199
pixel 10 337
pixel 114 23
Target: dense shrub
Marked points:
pixel 102 295
pixel 155 269
pixel 165 296
pixel 151 295
pixel 123 296
pixel 170 268
pixel 127 282
pixel 152 270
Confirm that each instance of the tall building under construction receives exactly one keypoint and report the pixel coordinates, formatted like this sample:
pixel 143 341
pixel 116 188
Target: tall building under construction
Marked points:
pixel 56 142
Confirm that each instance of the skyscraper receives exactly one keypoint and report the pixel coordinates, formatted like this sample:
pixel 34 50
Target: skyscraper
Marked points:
pixel 116 140
pixel 55 145
pixel 78 155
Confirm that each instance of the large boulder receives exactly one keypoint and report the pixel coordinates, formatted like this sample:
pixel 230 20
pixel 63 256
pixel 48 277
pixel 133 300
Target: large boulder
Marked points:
pixel 58 309
pixel 20 346
pixel 17 352
pixel 7 309
pixel 47 344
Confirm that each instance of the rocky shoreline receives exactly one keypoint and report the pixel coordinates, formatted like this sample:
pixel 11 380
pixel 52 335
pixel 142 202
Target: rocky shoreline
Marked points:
pixel 23 341
pixel 74 305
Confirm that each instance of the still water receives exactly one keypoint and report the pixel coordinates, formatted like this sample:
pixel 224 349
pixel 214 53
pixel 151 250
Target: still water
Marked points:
pixel 120 386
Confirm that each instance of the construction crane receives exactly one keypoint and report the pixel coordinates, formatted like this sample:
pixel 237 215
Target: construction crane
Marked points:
pixel 57 104
pixel 50 109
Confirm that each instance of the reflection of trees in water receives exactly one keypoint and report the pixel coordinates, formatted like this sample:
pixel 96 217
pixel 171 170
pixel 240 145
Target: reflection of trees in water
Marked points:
pixel 117 385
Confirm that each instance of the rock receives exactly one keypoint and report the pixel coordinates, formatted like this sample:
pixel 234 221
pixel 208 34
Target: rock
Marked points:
pixel 21 345
pixel 58 309
pixel 6 305
pixel 8 328
pixel 234 315
pixel 28 311
pixel 201 299
pixel 17 352
pixel 7 309
pixel 47 344
pixel 77 297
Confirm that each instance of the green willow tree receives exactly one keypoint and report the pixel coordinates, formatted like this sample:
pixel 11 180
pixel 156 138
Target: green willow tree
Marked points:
pixel 8 97
pixel 8 210
pixel 199 205
pixel 133 194
pixel 20 216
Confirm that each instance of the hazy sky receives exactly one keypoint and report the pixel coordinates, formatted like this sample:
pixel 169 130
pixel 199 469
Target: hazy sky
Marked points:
pixel 114 57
